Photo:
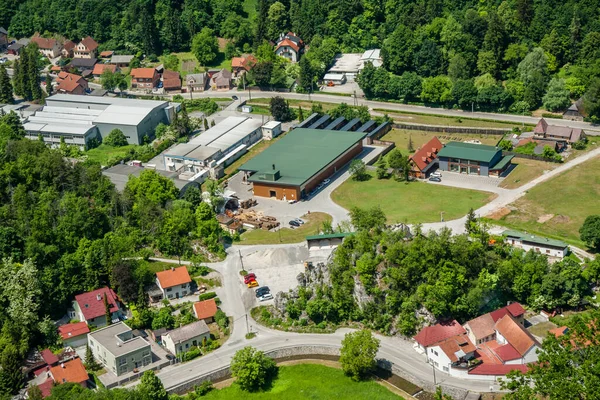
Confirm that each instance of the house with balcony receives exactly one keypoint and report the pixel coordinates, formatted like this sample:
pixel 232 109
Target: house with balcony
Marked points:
pixel 174 283
pixel 290 46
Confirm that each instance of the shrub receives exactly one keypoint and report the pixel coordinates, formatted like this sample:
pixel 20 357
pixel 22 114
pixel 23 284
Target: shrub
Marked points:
pixel 116 138
pixel 203 388
pixel 207 296
pixel 194 352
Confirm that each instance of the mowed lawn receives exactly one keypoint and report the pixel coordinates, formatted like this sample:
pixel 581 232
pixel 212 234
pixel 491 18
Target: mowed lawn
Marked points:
pixel 558 207
pixel 309 381
pixel 432 119
pixel 314 222
pixel 414 202
pixel 525 171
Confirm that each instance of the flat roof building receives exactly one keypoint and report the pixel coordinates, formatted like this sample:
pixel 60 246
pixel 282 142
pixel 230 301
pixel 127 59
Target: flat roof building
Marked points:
pixel 81 118
pixel 293 166
pixel 475 159
pixel 526 241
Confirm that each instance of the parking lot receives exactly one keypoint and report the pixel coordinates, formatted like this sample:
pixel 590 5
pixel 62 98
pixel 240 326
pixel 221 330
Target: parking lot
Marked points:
pixel 485 183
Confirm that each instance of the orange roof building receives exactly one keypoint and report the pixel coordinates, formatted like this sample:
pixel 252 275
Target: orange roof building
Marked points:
pixel 70 83
pixel 100 68
pixel 205 310
pixel 174 282
pixel 71 371
pixel 424 158
pixel 75 332
pixel 144 78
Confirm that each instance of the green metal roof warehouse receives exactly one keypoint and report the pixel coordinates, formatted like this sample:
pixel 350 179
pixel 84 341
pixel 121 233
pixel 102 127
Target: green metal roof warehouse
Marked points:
pixel 302 156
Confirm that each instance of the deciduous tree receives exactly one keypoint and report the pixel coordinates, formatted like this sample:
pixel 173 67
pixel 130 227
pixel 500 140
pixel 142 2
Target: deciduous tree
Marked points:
pixel 590 231
pixel 357 354
pixel 251 368
pixel 205 46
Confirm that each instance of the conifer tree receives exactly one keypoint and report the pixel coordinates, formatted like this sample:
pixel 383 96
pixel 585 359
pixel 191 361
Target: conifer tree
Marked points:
pixel 48 85
pixel 6 89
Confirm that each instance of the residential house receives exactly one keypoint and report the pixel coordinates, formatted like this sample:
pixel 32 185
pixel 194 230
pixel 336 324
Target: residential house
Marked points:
pixel 15 49
pixel 437 333
pixel 551 247
pixel 222 80
pixel 49 357
pixel 100 68
pixel 71 371
pixel 84 65
pixel 121 61
pixel 575 111
pixel 171 80
pixel 174 282
pixel 482 329
pixel 86 48
pixel 558 133
pixel 3 38
pixel 182 339
pixel 71 83
pixel 74 334
pixel 473 159
pixel 119 351
pixel 424 158
pixel 290 46
pixel 518 346
pixel 48 47
pixel 67 50
pixel 206 310
pixel 144 78
pixel 89 307
pixel 242 65
pixel 197 82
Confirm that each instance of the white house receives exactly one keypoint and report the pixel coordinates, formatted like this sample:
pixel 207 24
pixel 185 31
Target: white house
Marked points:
pixel 174 282
pixel 89 307
pixel 290 46
pixel 182 339
pixel 517 345
pixel 551 247
pixel 271 130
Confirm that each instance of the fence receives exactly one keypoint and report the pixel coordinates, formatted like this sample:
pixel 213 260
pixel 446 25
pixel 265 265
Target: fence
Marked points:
pixel 530 156
pixel 452 129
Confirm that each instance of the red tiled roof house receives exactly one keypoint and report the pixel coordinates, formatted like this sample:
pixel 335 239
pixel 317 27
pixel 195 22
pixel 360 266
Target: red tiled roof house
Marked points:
pixel 290 46
pixel 241 65
pixel 174 282
pixel 71 371
pixel 144 78
pixel 74 334
pixel 424 158
pixel 89 307
pixel 171 80
pixel 86 48
pixel 70 83
pixel 100 68
pixel 67 50
pixel 48 47
pixel 206 310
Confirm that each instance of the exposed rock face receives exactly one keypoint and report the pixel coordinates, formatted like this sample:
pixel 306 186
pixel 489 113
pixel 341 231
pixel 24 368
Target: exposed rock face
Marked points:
pixel 360 294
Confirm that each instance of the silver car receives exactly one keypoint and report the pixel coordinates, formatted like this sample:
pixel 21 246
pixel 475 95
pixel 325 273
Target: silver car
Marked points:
pixel 265 297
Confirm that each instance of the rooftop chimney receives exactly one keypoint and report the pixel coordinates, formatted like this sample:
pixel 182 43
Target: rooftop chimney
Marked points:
pixel 172 268
pixel 62 365
pixel 273 167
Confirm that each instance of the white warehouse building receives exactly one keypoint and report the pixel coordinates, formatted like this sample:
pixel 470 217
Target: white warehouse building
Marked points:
pixel 214 149
pixel 81 118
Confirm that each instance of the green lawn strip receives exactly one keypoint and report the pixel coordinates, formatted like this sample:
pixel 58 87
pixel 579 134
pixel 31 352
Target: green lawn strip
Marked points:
pixel 157 266
pixel 103 153
pixel 569 198
pixel 495 122
pixel 314 221
pixel 414 202
pixel 309 381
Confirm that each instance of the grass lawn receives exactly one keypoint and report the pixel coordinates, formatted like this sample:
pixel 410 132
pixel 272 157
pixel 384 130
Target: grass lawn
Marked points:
pixel 157 266
pixel 189 65
pixel 312 226
pixel 526 171
pixel 541 329
pixel 431 119
pixel 309 381
pixel 558 207
pixel 414 202
pixel 419 138
pixel 103 153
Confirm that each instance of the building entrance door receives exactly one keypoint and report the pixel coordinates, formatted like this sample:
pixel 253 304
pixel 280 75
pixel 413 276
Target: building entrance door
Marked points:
pixel 272 193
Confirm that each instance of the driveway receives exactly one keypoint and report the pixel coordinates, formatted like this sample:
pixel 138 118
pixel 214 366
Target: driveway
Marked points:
pixel 475 182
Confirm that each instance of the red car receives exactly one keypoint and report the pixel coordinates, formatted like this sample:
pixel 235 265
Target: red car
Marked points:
pixel 249 277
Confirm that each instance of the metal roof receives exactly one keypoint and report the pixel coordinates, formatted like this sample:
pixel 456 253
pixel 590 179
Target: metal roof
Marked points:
pixel 469 151
pixel 539 240
pixel 329 236
pixel 301 154
pixel 58 128
pixel 72 98
pixel 504 161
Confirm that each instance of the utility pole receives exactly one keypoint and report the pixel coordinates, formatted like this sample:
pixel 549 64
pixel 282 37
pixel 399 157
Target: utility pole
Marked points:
pixel 247 327
pixel 241 260
pixel 433 368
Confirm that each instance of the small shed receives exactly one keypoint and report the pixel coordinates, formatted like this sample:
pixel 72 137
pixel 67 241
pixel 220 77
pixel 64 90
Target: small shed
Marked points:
pixel 246 109
pixel 271 130
pixel 333 78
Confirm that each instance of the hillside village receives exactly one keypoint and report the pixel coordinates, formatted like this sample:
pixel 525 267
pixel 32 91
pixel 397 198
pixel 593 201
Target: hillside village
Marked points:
pixel 203 199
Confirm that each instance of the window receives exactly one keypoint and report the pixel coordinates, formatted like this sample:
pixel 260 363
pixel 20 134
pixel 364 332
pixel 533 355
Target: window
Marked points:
pixel 123 361
pixel 547 251
pixel 187 345
pixel 445 369
pixel 169 289
pixel 146 353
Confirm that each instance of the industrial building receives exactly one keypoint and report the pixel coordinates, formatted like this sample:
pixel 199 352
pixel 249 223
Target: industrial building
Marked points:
pixel 81 118
pixel 295 165
pixel 211 151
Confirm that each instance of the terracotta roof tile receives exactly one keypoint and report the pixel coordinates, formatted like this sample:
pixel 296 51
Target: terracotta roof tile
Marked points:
pixel 482 326
pixel 237 62
pixel 173 277
pixel 143 73
pixel 289 43
pixel 70 371
pixel 69 45
pixel 507 353
pixel 515 334
pixel 558 332
pixel 92 303
pixel 43 43
pixel 438 332
pixel 541 126
pixel 73 330
pixel 100 68
pixel 427 153
pixel 89 43
pixel 106 53
pixel 497 369
pixel 514 309
pixel 455 344
pixel 205 309
pixel 49 357
pixel 46 388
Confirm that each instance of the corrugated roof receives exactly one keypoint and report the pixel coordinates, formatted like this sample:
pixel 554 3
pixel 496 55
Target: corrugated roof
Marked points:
pixel 469 151
pixel 301 154
pixel 543 241
pixel 329 236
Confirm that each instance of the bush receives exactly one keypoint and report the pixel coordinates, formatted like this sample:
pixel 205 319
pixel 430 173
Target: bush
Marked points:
pixel 550 115
pixel 194 352
pixel 252 368
pixel 207 296
pixel 221 319
pixel 116 138
pixel 204 388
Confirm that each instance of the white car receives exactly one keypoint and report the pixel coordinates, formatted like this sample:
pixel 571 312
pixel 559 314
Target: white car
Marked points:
pixel 266 297
pixel 436 174
pixel 298 220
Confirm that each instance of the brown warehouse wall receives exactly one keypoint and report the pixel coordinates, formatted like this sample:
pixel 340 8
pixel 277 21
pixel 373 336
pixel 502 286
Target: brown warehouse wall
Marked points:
pixel 290 192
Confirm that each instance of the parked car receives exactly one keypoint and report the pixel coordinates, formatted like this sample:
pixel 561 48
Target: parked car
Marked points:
pixel 298 220
pixel 326 181
pixel 294 223
pixel 250 277
pixel 437 173
pixel 435 179
pixel 252 284
pixel 261 291
pixel 266 297
pixel 3 60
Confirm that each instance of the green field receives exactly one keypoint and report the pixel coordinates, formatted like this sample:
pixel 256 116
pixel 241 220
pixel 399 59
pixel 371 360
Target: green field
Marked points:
pixel 189 65
pixel 414 202
pixel 558 207
pixel 309 381
pixel 313 224
pixel 103 153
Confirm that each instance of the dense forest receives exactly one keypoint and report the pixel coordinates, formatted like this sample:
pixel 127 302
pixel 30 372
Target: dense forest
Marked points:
pixel 514 55
pixel 65 229
pixel 394 285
